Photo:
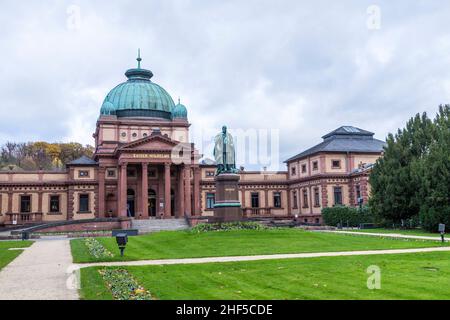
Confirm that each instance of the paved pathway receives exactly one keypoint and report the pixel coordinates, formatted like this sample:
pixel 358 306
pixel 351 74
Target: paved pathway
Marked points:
pixel 260 257
pixel 389 235
pixel 39 273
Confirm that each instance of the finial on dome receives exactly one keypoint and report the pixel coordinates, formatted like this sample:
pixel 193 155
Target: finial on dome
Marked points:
pixel 179 100
pixel 139 58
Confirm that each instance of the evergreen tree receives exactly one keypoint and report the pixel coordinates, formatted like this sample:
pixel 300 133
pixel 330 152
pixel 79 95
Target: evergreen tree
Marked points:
pixel 435 185
pixel 394 180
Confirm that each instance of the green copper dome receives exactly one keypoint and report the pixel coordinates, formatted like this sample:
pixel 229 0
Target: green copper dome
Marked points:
pixel 180 111
pixel 138 97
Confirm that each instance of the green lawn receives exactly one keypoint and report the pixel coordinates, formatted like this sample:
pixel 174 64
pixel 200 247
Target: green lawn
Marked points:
pixel 183 244
pixel 403 276
pixel 6 256
pixel 408 232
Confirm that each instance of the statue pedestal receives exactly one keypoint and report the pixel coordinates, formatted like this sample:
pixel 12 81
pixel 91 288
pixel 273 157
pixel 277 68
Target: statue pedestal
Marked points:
pixel 227 206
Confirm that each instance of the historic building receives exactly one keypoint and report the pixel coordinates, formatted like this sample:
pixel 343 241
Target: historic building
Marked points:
pixel 145 167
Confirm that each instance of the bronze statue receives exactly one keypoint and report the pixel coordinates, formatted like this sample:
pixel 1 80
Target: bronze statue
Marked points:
pixel 224 152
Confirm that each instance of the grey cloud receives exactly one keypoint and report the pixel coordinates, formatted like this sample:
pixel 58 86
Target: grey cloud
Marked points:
pixel 301 67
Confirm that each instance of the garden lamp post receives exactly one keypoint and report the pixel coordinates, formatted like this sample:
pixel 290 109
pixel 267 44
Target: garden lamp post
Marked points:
pixel 121 239
pixel 442 231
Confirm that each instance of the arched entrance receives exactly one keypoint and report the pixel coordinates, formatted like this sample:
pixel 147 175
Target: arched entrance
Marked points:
pixel 151 203
pixel 130 202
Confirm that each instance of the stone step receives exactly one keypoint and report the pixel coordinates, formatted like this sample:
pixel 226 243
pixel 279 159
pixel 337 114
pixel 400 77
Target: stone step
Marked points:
pixel 145 226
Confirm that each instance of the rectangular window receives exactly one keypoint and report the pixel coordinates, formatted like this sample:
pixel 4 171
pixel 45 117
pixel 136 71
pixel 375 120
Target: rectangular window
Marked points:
pixel 83 173
pixel 25 204
pixel 305 198
pixel 84 203
pixel 152 173
pixel 131 173
pixel 111 173
pixel 294 196
pixel 54 204
pixel 210 200
pixel 315 165
pixel 277 199
pixel 303 168
pixel 293 172
pixel 336 164
pixel 337 196
pixel 316 197
pixel 255 200
pixel 358 192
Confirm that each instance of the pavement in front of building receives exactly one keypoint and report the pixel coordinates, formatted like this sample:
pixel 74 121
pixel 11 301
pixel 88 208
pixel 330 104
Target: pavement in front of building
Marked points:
pixel 42 272
pixel 260 257
pixel 389 235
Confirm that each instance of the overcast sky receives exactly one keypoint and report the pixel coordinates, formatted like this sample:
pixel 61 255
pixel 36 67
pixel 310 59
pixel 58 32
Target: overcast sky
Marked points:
pixel 301 67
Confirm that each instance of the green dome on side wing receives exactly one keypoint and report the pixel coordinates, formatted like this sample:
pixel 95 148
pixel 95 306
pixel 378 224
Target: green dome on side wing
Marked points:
pixel 107 109
pixel 180 111
pixel 138 97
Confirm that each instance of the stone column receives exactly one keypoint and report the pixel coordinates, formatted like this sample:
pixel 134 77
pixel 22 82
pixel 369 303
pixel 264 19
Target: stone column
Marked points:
pixel 123 190
pixel 39 210
pixel 243 197
pixel 101 192
pixel 167 202
pixel 10 200
pixel 288 199
pixel 187 190
pixel 196 191
pixel 144 191
pixel 180 192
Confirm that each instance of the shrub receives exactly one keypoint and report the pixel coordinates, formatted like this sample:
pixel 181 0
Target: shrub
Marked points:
pixel 350 216
pixel 238 225
pixel 432 217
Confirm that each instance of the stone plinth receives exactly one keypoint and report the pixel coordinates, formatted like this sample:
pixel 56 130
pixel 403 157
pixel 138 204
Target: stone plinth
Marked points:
pixel 227 206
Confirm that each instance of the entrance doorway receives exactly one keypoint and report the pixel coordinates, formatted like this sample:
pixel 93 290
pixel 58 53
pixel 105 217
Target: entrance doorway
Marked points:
pixel 151 203
pixel 130 202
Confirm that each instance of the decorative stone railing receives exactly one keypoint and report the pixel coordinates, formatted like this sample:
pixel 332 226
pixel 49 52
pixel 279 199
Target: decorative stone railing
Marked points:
pixel 23 218
pixel 250 212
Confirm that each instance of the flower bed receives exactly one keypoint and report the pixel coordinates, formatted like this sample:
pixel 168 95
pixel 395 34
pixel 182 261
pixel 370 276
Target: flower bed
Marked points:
pixel 123 286
pixel 96 249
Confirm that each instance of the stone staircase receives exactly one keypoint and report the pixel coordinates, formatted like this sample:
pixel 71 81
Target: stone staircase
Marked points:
pixel 154 225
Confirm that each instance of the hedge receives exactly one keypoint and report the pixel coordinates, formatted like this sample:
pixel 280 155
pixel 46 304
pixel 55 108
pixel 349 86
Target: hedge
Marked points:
pixel 347 216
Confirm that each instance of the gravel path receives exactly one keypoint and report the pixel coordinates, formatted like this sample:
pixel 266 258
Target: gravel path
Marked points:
pixel 41 272
pixel 260 257
pixel 389 235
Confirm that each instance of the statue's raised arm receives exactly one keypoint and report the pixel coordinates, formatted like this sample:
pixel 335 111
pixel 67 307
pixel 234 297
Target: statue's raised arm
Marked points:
pixel 224 152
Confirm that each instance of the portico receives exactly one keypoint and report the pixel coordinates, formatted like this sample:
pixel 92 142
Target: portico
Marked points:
pixel 153 180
